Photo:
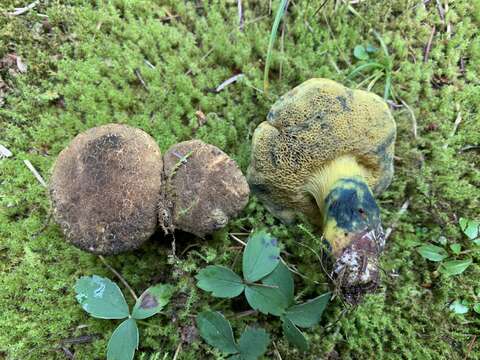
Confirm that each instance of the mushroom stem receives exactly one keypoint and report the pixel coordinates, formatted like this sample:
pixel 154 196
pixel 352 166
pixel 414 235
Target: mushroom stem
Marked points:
pixel 351 224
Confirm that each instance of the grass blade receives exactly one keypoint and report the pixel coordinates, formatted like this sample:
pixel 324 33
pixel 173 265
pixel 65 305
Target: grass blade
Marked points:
pixel 273 35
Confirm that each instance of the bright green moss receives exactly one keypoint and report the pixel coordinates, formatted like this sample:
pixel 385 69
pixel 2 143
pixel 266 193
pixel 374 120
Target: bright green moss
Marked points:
pixel 82 74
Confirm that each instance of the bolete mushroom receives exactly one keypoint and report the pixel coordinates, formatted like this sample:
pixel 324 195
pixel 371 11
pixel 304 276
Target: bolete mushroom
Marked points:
pixel 105 188
pixel 204 188
pixel 324 151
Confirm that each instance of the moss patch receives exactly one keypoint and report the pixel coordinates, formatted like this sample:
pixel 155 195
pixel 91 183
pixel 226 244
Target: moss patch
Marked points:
pixel 154 66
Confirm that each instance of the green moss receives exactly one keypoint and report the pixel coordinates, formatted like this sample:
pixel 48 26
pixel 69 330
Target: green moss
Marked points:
pixel 84 72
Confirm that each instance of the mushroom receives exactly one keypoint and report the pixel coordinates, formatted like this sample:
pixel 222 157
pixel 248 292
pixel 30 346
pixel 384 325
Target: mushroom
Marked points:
pixel 324 151
pixel 105 188
pixel 204 188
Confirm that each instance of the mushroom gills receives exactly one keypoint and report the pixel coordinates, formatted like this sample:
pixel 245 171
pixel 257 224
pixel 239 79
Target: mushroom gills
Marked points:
pixel 351 225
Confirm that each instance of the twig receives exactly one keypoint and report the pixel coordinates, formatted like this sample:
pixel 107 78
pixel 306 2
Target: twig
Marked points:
pixel 429 45
pixel 246 313
pixel 84 339
pixel 35 173
pixel 149 64
pixel 441 11
pixel 138 74
pixel 177 352
pixel 120 277
pixel 4 152
pixel 237 239
pixel 400 212
pixel 229 81
pixel 470 147
pixel 277 353
pixel 20 11
pixel 414 119
pixel 240 15
pixel 458 120
pixel 470 346
pixel 67 353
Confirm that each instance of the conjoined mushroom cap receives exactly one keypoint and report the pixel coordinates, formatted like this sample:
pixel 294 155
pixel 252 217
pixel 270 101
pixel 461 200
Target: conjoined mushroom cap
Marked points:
pixel 310 126
pixel 105 189
pixel 204 188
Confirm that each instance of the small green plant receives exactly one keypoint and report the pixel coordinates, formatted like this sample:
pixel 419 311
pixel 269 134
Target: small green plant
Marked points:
pixel 378 66
pixel 103 299
pixel 471 229
pixel 268 286
pixel 217 332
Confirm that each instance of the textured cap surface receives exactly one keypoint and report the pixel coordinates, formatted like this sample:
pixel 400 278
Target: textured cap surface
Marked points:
pixel 204 188
pixel 105 188
pixel 307 128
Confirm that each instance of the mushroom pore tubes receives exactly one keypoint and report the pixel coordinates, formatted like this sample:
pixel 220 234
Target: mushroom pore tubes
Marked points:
pixel 326 151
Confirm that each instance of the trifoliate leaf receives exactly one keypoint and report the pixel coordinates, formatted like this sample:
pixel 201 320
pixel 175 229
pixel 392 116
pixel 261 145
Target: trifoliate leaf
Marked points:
pixel 476 308
pixel 309 313
pixel 459 307
pixel 432 252
pixel 124 341
pixel 456 248
pixel 455 267
pixel 283 279
pixel 220 281
pixel 294 335
pixel 152 301
pixel 267 300
pixel 101 298
pixel 216 331
pixel 360 53
pixel 261 256
pixel 471 228
pixel 253 343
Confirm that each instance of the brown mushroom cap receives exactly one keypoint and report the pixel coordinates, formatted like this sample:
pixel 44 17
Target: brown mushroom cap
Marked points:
pixel 204 188
pixel 309 127
pixel 105 188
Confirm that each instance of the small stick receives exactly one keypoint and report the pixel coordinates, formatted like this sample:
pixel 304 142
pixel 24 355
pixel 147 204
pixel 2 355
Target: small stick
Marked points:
pixel 240 14
pixel 227 82
pixel 402 210
pixel 85 339
pixel 469 147
pixel 4 152
pixel 441 11
pixel 458 120
pixel 277 353
pixel 246 313
pixel 177 352
pixel 20 11
pixel 470 346
pixel 414 119
pixel 237 239
pixel 138 74
pixel 149 64
pixel 35 173
pixel 429 45
pixel 120 277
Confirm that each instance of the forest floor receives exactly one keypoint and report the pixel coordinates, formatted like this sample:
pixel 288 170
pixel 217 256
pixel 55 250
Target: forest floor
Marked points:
pixel 69 65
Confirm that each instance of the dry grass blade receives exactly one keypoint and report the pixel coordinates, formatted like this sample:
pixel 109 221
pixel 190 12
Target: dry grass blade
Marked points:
pixel 23 10
pixel 35 173
pixel 282 9
pixel 4 152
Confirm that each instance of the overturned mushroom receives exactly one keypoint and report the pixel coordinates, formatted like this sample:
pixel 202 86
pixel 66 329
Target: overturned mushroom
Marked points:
pixel 105 188
pixel 324 151
pixel 203 190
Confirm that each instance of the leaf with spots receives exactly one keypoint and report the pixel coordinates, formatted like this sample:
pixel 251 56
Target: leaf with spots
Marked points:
pixel 261 256
pixel 152 301
pixel 101 298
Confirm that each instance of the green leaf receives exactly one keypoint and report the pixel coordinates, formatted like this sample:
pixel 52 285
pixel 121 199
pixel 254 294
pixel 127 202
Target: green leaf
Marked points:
pixel 459 307
pixel 360 53
pixel 216 331
pixel 101 298
pixel 455 267
pixel 432 252
pixel 309 313
pixel 124 341
pixel 220 281
pixel 456 248
pixel 371 48
pixel 267 300
pixel 152 301
pixel 253 343
pixel 471 228
pixel 476 308
pixel 294 335
pixel 281 277
pixel 261 256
